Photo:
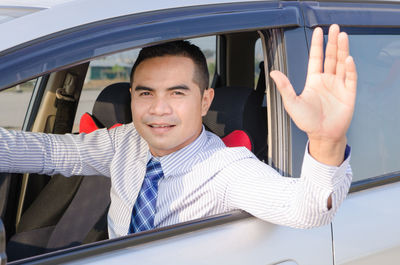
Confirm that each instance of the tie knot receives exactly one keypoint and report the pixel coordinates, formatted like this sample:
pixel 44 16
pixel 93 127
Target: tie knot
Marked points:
pixel 153 170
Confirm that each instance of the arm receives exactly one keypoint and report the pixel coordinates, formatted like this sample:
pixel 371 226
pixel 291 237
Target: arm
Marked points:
pixel 84 154
pixel 261 191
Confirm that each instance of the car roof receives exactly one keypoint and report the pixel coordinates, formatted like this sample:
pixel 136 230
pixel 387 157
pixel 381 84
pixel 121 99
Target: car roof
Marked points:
pixel 45 17
pixel 12 9
pixel 74 13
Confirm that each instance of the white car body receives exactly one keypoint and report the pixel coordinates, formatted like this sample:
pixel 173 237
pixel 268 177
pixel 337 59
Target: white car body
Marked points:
pixel 36 43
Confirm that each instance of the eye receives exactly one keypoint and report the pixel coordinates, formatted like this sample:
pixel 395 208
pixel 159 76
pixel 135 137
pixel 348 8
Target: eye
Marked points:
pixel 144 93
pixel 178 93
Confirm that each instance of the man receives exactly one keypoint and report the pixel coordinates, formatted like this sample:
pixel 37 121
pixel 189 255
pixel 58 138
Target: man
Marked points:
pixel 166 169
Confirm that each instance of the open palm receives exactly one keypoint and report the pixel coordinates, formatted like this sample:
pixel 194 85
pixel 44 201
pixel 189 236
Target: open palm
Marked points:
pixel 325 107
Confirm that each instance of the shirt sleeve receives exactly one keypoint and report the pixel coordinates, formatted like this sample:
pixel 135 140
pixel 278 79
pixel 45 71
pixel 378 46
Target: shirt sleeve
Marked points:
pixel 69 154
pixel 258 189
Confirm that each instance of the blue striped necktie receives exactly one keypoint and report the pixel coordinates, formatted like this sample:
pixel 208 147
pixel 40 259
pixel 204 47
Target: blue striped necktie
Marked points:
pixel 145 207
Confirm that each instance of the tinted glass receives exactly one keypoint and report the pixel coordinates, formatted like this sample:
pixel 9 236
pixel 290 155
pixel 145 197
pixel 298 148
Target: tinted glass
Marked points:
pixel 375 129
pixel 258 58
pixel 208 46
pixel 14 103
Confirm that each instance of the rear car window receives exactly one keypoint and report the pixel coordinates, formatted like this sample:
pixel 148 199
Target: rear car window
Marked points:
pixel 375 129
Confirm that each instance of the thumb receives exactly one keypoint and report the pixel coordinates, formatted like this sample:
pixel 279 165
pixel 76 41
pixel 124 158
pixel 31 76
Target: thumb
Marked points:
pixel 284 86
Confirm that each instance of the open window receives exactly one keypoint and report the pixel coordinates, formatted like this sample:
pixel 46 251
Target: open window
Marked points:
pixel 44 203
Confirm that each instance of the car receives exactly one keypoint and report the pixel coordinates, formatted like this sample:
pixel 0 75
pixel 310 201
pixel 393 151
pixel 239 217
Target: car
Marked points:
pixel 55 62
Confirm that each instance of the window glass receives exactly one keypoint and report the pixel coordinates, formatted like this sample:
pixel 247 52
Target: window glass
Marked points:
pixel 14 104
pixel 117 67
pixel 375 129
pixel 208 46
pixel 258 58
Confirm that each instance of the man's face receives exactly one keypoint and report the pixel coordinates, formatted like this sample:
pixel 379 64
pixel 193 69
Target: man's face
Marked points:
pixel 167 106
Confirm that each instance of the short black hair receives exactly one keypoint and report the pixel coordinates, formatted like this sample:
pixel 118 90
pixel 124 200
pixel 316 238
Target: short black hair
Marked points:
pixel 178 48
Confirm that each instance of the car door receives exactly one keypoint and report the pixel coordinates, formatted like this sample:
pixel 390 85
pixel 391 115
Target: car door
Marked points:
pixel 230 238
pixel 365 230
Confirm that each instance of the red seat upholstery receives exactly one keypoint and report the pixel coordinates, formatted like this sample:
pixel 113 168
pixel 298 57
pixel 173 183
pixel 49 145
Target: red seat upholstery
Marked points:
pixel 238 138
pixel 88 125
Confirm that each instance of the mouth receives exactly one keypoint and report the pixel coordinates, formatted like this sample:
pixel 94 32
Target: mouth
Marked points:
pixel 160 128
pixel 161 125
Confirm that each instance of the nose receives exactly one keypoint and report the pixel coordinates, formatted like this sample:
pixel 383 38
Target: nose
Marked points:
pixel 160 106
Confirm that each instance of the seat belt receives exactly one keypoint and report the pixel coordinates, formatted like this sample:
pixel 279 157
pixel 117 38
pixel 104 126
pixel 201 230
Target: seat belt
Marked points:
pixel 66 106
pixel 83 213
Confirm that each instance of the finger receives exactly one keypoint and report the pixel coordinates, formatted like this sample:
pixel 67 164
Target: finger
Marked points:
pixel 316 52
pixel 342 54
pixel 331 50
pixel 351 75
pixel 284 86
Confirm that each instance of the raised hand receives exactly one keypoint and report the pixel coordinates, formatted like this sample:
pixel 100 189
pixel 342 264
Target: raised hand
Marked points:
pixel 325 107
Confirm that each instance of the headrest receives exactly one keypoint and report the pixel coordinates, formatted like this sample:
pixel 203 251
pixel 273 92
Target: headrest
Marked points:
pixel 226 111
pixel 111 109
pixel 113 105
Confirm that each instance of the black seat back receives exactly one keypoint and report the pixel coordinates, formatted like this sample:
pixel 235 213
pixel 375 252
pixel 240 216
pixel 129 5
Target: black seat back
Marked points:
pixel 241 108
pixel 113 105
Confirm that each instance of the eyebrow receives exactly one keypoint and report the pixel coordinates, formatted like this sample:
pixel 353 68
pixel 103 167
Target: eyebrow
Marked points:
pixel 178 87
pixel 139 88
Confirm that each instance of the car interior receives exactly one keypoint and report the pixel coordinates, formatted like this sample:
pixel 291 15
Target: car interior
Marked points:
pixel 40 212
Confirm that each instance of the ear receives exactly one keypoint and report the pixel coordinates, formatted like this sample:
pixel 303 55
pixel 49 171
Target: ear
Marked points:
pixel 208 96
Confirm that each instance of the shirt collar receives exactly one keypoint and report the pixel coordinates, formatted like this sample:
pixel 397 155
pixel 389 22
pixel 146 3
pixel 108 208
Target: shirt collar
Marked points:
pixel 182 159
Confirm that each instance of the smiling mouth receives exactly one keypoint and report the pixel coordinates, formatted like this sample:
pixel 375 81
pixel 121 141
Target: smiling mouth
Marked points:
pixel 161 125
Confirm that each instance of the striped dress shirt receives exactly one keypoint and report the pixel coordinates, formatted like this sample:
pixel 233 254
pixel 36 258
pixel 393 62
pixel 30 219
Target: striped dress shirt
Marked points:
pixel 202 179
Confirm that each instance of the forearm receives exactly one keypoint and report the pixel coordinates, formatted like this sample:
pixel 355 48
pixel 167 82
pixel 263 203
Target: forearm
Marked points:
pixel 25 152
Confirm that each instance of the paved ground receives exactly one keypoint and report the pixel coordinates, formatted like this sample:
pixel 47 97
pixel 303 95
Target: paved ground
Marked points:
pixel 13 107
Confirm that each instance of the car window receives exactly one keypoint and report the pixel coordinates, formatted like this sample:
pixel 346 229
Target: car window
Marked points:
pixel 375 129
pixel 14 104
pixel 258 58
pixel 98 74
